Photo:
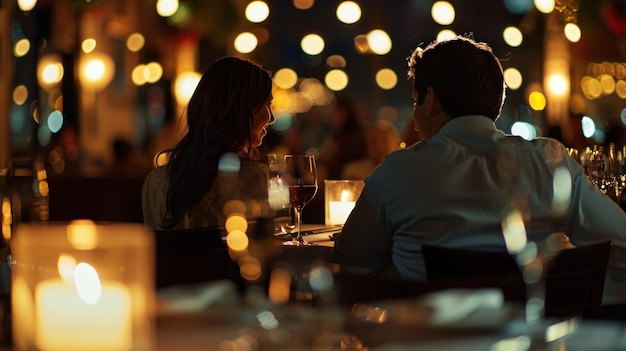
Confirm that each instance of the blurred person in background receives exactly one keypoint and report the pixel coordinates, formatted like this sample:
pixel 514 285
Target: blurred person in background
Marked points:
pixel 228 114
pixel 348 139
pixel 382 139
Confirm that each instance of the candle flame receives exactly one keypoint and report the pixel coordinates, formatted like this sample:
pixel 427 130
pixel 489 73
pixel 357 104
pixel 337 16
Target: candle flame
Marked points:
pixel 344 195
pixel 88 284
pixel 66 266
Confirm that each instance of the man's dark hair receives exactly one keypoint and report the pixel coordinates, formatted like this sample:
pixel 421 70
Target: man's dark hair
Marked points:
pixel 464 74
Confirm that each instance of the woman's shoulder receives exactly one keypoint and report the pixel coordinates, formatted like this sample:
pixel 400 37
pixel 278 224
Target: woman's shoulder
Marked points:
pixel 253 165
pixel 156 176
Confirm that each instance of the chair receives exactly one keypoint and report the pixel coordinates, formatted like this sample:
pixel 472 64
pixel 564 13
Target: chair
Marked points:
pixel 191 256
pixel 573 285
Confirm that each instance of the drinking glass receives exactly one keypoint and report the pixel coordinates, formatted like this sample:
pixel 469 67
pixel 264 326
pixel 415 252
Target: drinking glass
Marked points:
pixel 618 171
pixel 278 196
pixel 301 177
pixel 599 171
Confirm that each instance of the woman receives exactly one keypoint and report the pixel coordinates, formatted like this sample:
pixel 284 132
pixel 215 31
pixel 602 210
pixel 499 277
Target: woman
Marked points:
pixel 227 115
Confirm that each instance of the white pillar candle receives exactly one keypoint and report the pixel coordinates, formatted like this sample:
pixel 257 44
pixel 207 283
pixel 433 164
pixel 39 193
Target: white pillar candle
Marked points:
pixel 65 322
pixel 338 211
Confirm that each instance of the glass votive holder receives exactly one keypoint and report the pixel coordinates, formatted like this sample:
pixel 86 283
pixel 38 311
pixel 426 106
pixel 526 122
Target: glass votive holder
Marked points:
pixel 82 286
pixel 339 199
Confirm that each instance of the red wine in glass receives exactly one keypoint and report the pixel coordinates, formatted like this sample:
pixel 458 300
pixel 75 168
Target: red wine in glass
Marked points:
pixel 300 195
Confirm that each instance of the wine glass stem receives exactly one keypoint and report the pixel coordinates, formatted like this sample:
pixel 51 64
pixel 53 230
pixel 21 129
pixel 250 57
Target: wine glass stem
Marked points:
pixel 298 212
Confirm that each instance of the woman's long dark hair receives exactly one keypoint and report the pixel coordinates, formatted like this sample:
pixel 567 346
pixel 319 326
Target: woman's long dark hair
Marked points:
pixel 219 120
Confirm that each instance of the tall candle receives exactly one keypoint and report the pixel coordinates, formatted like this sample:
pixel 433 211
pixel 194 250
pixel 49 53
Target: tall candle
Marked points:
pixel 340 210
pixel 65 322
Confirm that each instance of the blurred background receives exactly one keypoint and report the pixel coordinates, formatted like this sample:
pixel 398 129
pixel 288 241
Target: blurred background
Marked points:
pixel 95 86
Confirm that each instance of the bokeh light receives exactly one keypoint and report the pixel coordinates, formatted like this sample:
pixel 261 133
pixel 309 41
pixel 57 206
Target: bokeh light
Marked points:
pixel 524 130
pixel 572 32
pixel 250 268
pixel 49 70
pixel 96 71
pixel 20 94
pixel 303 4
pixel 620 89
pixel 153 72
pixel 386 78
pixel 285 78
pixel 21 48
pixel 445 34
pixel 336 80
pixel 588 126
pixel 537 101
pixel 545 6
pixel 513 36
pixel 236 222
pixel 245 42
pixel 88 45
pixel 135 42
pixel 512 78
pixel 443 13
pixel 558 84
pixel 184 86
pixel 607 83
pixel 55 121
pixel 349 12
pixel 26 5
pixel 379 41
pixel 312 44
pixel 591 87
pixel 166 8
pixel 237 240
pixel 336 61
pixel 518 6
pixel 257 11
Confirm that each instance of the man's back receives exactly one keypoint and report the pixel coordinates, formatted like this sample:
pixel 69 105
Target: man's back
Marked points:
pixel 457 189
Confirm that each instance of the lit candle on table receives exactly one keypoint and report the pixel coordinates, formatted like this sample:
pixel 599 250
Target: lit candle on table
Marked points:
pixel 82 286
pixel 340 210
pixel 83 314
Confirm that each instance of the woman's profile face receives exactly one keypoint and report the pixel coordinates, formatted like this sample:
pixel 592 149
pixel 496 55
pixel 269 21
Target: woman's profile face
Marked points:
pixel 261 119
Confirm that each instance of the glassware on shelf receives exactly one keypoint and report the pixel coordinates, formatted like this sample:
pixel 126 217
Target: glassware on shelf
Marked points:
pixel 599 171
pixel 618 171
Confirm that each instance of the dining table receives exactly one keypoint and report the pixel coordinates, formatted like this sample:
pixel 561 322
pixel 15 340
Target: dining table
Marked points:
pixel 397 326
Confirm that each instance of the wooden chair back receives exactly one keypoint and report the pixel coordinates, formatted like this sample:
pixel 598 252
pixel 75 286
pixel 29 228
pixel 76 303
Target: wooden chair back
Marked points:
pixel 574 282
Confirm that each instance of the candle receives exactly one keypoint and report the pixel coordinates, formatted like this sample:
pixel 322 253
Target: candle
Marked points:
pixel 338 211
pixel 73 318
pixel 82 286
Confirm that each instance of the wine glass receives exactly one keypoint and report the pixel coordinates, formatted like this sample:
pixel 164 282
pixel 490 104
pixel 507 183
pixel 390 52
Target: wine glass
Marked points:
pixel 301 177
pixel 599 172
pixel 618 171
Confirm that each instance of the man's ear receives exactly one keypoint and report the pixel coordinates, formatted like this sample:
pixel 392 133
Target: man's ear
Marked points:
pixel 433 107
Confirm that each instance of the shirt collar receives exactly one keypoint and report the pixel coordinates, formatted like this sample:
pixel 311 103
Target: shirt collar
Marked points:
pixel 468 124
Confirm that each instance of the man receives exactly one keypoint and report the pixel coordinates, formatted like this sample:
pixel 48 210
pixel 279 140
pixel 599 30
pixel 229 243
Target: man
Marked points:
pixel 462 183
